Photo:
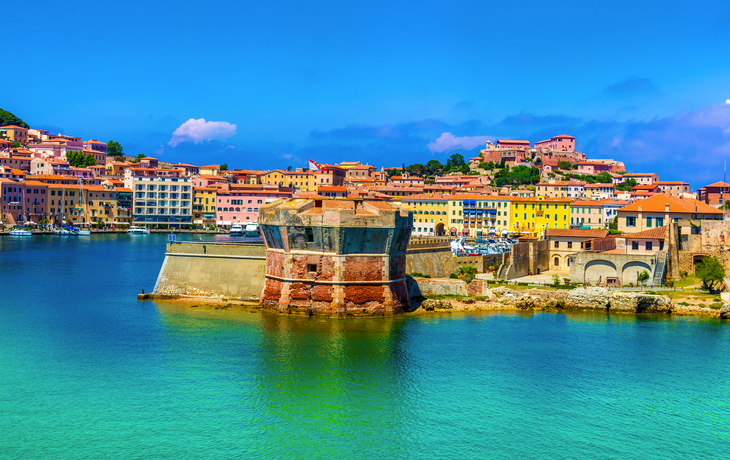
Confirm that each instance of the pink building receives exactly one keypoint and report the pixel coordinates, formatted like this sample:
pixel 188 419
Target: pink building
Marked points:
pixel 593 168
pixel 562 143
pixel 512 144
pixel 22 201
pixel 96 146
pixel 242 205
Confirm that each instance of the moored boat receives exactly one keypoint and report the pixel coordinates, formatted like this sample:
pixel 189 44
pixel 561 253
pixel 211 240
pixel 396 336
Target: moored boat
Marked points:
pixel 136 230
pixel 252 229
pixel 236 230
pixel 20 232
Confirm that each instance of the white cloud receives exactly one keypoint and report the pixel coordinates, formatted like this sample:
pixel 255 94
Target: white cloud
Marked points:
pixel 160 150
pixel 199 131
pixel 448 142
pixel 727 101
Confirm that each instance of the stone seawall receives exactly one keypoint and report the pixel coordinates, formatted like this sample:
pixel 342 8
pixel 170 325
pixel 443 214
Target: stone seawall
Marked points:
pixel 237 270
pixel 212 270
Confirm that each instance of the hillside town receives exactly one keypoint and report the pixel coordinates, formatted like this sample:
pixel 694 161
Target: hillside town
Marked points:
pixel 512 186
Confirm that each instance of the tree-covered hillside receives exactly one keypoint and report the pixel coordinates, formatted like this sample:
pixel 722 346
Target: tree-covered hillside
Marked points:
pixel 7 118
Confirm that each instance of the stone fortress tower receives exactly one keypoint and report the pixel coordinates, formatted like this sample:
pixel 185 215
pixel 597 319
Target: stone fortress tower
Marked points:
pixel 335 257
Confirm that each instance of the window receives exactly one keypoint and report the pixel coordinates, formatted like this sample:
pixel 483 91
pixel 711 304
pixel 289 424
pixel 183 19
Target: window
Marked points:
pixel 635 245
pixel 557 244
pixel 648 221
pixel 311 267
pixel 570 245
pixel 648 245
pixel 309 235
pixel 631 221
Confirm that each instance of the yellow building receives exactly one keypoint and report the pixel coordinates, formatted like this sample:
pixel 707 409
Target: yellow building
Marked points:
pixel 430 213
pixel 98 205
pixel 301 181
pixel 14 133
pixel 536 214
pixel 211 170
pixel 204 199
pixel 560 189
pixel 477 215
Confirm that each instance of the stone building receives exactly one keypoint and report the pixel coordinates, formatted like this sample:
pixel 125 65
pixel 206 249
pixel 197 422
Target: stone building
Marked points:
pixel 335 257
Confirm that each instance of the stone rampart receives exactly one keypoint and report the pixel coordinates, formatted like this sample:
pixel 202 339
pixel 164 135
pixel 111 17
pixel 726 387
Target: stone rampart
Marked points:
pixel 211 269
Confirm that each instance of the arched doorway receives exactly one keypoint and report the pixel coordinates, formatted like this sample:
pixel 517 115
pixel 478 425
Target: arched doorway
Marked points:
pixel 697 258
pixel 439 229
pixel 556 262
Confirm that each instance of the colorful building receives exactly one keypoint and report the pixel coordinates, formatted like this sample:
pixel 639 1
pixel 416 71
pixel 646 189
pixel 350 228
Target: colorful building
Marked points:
pixel 204 205
pixel 587 214
pixel 660 210
pixel 430 213
pixel 537 214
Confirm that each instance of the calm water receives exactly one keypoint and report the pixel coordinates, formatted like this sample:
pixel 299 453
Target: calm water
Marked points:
pixel 86 371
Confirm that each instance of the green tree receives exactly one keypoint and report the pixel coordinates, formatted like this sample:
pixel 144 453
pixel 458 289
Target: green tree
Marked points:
pixel 627 185
pixel 7 118
pixel 604 178
pixel 434 167
pixel 565 165
pixel 642 277
pixel 224 167
pixel 138 158
pixel 16 144
pixel 711 272
pixel 114 149
pixel 537 161
pixel 79 159
pixel 455 163
pixel 288 168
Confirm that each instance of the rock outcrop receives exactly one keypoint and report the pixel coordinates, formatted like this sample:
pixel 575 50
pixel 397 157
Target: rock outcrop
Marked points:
pixel 432 304
pixel 630 302
pixel 591 298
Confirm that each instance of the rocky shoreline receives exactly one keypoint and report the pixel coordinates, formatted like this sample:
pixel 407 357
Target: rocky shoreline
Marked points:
pixel 505 299
pixel 591 299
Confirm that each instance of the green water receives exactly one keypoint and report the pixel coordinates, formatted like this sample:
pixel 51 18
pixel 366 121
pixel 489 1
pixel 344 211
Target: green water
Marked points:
pixel 88 372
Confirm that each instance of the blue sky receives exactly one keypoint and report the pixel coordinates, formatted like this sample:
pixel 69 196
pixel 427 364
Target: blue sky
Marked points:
pixel 643 82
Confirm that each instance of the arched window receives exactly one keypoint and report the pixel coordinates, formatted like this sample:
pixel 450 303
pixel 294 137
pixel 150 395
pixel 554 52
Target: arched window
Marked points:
pixel 556 261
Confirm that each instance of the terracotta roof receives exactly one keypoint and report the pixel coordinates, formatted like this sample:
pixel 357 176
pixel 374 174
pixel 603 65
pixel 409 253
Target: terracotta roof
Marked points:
pixel 577 233
pixel 12 126
pixel 657 233
pixel 657 203
pixel 599 185
pixel 513 141
pixel 585 203
pixel 564 136
pixel 718 184
pixel 671 182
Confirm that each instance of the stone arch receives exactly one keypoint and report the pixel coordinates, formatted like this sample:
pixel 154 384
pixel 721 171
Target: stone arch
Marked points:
pixel 556 263
pixel 597 271
pixel 440 228
pixel 631 269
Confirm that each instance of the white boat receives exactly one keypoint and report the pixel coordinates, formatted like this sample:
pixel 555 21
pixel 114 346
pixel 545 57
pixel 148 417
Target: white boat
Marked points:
pixel 65 231
pixel 20 232
pixel 135 230
pixel 252 229
pixel 236 230
pixel 84 233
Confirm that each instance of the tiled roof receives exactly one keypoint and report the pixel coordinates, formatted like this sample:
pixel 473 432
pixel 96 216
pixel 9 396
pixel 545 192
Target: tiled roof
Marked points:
pixel 657 203
pixel 718 184
pixel 577 233
pixel 657 233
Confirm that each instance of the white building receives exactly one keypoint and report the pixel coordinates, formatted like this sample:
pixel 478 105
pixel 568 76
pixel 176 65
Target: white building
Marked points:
pixel 161 200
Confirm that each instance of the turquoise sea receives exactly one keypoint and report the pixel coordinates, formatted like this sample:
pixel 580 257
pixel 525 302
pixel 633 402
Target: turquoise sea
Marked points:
pixel 88 372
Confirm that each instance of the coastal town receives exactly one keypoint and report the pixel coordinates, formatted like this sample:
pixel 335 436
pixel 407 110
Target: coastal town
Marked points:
pixel 524 191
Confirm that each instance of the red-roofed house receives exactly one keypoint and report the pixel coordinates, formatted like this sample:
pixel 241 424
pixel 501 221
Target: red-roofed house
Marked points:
pixel 660 210
pixel 714 194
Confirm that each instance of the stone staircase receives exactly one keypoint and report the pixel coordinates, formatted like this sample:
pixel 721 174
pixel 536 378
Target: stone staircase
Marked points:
pixel 659 269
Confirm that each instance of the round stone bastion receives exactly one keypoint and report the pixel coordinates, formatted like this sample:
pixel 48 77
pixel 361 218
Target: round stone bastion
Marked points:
pixel 335 257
